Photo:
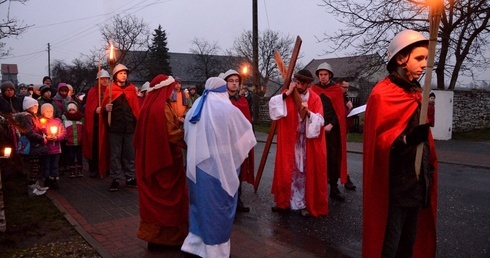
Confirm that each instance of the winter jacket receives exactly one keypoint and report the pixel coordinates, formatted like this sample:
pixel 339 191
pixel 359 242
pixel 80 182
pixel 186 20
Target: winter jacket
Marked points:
pixel 74 128
pixel 54 146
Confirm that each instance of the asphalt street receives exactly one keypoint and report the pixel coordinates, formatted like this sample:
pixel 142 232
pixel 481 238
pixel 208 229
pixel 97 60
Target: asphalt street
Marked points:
pixel 462 222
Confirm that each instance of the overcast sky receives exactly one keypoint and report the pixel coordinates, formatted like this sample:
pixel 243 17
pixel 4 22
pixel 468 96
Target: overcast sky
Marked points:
pixel 72 27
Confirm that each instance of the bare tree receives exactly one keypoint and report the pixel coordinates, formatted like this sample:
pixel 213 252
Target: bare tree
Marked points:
pixel 10 26
pixel 127 33
pixel 370 25
pixel 208 61
pixel 269 41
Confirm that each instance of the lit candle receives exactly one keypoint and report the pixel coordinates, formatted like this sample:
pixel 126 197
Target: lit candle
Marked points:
pixel 7 152
pixel 43 120
pixel 54 130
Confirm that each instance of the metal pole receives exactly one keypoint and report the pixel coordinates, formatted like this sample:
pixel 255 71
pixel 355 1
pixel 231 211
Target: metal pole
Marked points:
pixel 255 65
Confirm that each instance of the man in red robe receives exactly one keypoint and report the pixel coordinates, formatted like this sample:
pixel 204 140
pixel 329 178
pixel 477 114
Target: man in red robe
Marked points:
pixel 300 179
pixel 233 82
pixel 95 152
pixel 333 103
pixel 162 185
pixel 399 206
pixel 120 110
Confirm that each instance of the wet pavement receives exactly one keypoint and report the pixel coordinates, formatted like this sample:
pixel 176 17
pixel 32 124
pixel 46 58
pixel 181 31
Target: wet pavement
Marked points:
pixel 109 221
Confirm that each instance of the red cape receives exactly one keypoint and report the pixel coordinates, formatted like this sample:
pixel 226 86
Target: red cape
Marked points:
pixel 88 131
pixel 388 112
pixel 336 96
pixel 247 169
pixel 130 94
pixel 160 173
pixel 316 161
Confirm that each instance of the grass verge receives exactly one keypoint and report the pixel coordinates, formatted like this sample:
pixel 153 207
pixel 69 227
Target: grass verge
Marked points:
pixel 35 227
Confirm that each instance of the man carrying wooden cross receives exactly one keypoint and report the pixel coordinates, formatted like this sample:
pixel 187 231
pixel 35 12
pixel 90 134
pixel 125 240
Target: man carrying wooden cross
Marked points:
pixel 300 181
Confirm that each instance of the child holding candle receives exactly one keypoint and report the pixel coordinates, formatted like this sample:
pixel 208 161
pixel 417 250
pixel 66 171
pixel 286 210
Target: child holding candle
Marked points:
pixel 55 133
pixel 73 122
pixel 32 130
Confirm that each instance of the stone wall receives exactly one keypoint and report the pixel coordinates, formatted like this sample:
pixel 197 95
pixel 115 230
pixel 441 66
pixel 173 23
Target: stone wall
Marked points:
pixel 471 110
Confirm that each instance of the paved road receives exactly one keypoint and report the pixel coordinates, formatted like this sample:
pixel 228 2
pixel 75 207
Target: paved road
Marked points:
pixel 109 221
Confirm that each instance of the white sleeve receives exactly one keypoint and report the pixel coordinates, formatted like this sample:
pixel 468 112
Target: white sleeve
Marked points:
pixel 277 107
pixel 314 125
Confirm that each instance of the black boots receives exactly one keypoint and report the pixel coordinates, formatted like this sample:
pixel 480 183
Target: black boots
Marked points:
pixel 336 194
pixel 349 185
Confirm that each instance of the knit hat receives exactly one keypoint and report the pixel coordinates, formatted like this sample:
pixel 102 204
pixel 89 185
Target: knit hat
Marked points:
pixel 304 76
pixel 45 107
pixel 44 88
pixel 46 78
pixel 72 105
pixel 6 85
pixel 432 94
pixel 61 85
pixel 29 102
pixel 177 79
pixel 37 87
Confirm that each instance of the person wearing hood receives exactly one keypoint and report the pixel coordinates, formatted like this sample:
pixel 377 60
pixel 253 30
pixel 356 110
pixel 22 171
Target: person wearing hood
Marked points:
pixel 9 102
pixel 399 205
pixel 335 128
pixel 124 108
pixel 46 98
pixel 162 185
pixel 219 138
pixel 73 122
pixel 50 159
pixel 61 98
pixel 23 90
pixel 193 95
pixel 93 149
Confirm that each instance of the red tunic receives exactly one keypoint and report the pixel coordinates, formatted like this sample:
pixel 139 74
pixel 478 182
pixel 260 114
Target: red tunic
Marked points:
pixel 247 169
pixel 162 185
pixel 88 132
pixel 336 96
pixel 389 109
pixel 316 161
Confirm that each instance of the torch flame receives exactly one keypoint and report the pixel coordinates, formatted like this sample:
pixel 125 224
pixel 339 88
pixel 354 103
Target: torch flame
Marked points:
pixel 111 52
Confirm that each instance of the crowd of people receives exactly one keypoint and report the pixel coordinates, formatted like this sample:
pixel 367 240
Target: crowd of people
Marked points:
pixel 188 154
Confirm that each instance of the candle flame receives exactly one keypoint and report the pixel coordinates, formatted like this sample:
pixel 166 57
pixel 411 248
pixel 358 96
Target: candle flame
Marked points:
pixel 53 129
pixel 43 120
pixel 7 152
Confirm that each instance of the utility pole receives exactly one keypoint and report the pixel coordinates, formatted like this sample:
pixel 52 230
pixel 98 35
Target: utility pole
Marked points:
pixel 255 57
pixel 49 60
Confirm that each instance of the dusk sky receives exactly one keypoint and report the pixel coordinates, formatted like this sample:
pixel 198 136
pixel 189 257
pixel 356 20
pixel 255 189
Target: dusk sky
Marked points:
pixel 73 29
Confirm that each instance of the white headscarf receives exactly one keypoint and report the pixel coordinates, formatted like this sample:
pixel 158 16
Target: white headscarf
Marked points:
pixel 220 141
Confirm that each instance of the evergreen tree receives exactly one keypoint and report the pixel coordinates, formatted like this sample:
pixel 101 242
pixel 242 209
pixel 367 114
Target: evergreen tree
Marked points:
pixel 158 61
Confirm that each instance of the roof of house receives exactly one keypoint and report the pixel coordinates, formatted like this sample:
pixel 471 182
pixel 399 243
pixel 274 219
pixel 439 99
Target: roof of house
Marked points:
pixel 9 69
pixel 349 66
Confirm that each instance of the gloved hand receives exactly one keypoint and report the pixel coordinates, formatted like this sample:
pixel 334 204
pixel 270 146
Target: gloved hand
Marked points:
pixel 418 134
